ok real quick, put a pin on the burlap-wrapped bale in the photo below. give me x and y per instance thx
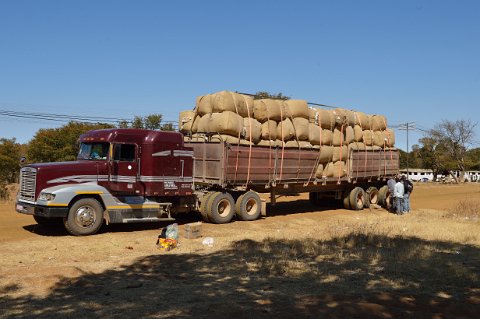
(368, 137)
(378, 122)
(340, 153)
(185, 121)
(349, 135)
(326, 154)
(314, 133)
(340, 117)
(305, 145)
(297, 108)
(233, 102)
(269, 109)
(379, 138)
(350, 117)
(327, 137)
(269, 130)
(321, 117)
(390, 137)
(363, 120)
(291, 144)
(357, 133)
(335, 169)
(319, 171)
(301, 128)
(204, 105)
(217, 138)
(338, 137)
(285, 130)
(195, 138)
(226, 122)
(204, 123)
(252, 130)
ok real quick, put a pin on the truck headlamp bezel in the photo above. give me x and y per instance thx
(46, 196)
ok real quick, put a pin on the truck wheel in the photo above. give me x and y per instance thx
(84, 218)
(372, 196)
(48, 222)
(384, 197)
(248, 206)
(203, 206)
(220, 208)
(357, 198)
(346, 199)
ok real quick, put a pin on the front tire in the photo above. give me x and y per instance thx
(357, 198)
(84, 218)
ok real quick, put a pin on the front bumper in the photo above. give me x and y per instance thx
(38, 210)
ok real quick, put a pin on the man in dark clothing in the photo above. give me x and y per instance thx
(408, 186)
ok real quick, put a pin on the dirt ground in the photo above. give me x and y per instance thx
(301, 261)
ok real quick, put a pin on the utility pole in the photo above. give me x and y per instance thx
(406, 127)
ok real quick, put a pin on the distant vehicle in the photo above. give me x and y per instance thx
(424, 180)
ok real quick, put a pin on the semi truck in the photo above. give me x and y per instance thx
(137, 175)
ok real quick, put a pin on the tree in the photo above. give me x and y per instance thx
(59, 144)
(168, 127)
(455, 138)
(266, 95)
(10, 152)
(152, 121)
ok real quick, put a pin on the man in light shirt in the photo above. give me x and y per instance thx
(398, 196)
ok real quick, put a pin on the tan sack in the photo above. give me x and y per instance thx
(379, 122)
(340, 153)
(252, 130)
(349, 135)
(339, 169)
(217, 138)
(338, 137)
(314, 133)
(268, 109)
(350, 117)
(379, 138)
(285, 130)
(297, 108)
(357, 133)
(204, 105)
(326, 154)
(305, 145)
(233, 102)
(301, 128)
(292, 144)
(185, 121)
(226, 122)
(319, 171)
(270, 143)
(356, 146)
(368, 137)
(269, 130)
(327, 137)
(204, 123)
(390, 137)
(322, 117)
(340, 117)
(363, 120)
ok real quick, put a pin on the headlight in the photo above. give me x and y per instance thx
(46, 196)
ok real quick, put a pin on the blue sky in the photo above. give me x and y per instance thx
(413, 61)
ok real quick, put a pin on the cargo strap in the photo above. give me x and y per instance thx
(341, 147)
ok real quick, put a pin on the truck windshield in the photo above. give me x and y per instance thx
(93, 151)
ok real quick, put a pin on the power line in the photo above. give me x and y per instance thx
(407, 126)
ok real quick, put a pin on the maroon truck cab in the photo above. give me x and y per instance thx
(123, 175)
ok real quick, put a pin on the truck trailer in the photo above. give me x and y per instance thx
(137, 175)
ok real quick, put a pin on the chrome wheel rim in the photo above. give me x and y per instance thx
(85, 216)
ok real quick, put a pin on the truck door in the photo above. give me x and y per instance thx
(124, 169)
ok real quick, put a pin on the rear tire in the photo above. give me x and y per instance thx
(220, 208)
(371, 196)
(357, 198)
(384, 197)
(84, 218)
(203, 206)
(248, 206)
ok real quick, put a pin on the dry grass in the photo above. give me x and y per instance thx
(468, 209)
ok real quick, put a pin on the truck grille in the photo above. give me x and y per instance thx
(28, 180)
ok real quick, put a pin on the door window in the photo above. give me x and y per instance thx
(124, 153)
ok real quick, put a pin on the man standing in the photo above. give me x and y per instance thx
(398, 195)
(391, 188)
(408, 188)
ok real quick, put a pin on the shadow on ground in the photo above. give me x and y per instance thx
(351, 276)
